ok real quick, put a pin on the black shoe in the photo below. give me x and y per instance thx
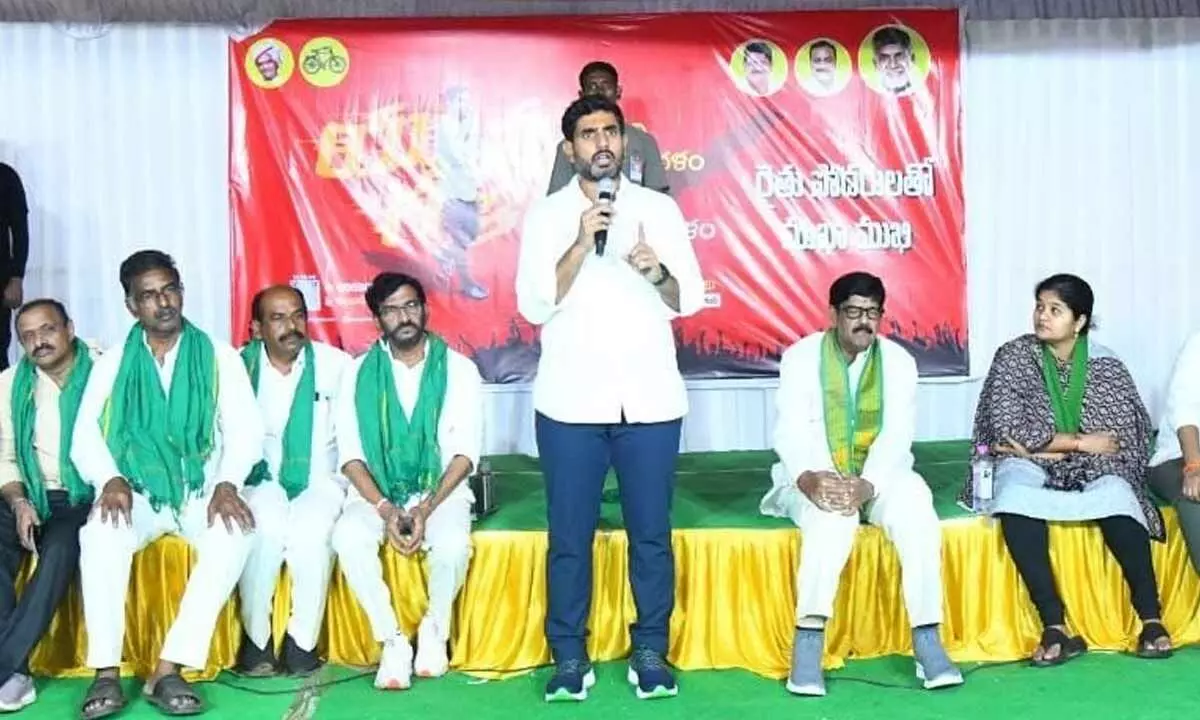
(254, 661)
(571, 681)
(297, 661)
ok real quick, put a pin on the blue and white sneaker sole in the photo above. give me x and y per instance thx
(564, 695)
(946, 679)
(658, 692)
(806, 690)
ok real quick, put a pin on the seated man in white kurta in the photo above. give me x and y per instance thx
(295, 493)
(844, 432)
(409, 434)
(167, 432)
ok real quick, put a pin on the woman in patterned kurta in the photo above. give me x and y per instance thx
(1065, 416)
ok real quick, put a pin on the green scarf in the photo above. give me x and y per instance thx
(24, 411)
(297, 434)
(851, 421)
(161, 443)
(401, 452)
(1067, 404)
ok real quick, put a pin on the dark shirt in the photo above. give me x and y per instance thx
(14, 224)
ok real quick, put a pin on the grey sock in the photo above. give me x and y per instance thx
(928, 651)
(807, 649)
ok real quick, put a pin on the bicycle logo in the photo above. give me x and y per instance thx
(324, 62)
(323, 58)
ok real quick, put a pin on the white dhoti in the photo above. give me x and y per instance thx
(298, 532)
(358, 534)
(904, 510)
(106, 555)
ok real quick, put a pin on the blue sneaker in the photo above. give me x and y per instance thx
(649, 674)
(571, 681)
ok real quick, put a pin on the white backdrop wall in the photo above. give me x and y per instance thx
(1077, 158)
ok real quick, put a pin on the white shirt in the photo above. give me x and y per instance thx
(237, 432)
(46, 429)
(460, 428)
(608, 346)
(1183, 403)
(276, 393)
(800, 439)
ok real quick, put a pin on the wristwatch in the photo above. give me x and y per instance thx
(666, 275)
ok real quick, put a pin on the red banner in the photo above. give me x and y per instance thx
(799, 145)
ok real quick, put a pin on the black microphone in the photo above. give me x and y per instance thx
(608, 192)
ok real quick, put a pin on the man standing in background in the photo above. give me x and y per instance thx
(14, 251)
(643, 160)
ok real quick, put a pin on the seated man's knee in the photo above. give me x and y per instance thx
(824, 531)
(350, 537)
(826, 522)
(450, 552)
(217, 538)
(106, 536)
(913, 494)
(301, 544)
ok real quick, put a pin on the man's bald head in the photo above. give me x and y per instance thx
(280, 318)
(273, 292)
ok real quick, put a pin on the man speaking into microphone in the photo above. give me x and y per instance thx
(604, 277)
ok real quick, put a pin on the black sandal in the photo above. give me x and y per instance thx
(1151, 633)
(1068, 648)
(105, 692)
(168, 691)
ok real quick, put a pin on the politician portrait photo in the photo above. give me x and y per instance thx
(894, 60)
(823, 67)
(759, 67)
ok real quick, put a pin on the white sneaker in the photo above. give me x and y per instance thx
(432, 660)
(395, 667)
(17, 693)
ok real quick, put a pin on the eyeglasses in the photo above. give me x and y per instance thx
(412, 308)
(854, 312)
(147, 297)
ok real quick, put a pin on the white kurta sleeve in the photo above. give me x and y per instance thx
(799, 438)
(346, 418)
(1183, 394)
(239, 418)
(679, 256)
(89, 451)
(460, 430)
(537, 283)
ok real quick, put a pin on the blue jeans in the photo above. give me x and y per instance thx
(575, 459)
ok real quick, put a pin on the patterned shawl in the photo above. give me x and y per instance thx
(1014, 404)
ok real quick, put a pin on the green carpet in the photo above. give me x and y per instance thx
(712, 490)
(1096, 684)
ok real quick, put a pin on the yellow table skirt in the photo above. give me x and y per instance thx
(734, 603)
